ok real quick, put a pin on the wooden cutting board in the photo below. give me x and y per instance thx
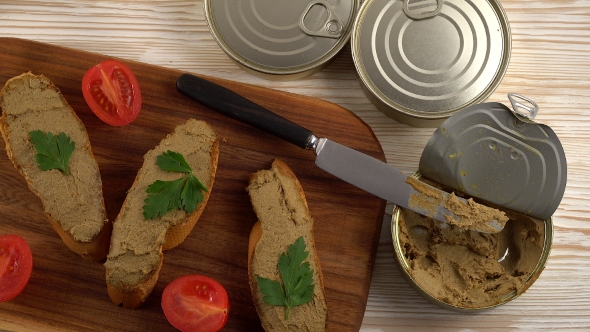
(68, 293)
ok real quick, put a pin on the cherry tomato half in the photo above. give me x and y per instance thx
(112, 92)
(195, 303)
(16, 265)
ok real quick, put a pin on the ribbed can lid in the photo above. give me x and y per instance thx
(428, 68)
(279, 36)
(491, 152)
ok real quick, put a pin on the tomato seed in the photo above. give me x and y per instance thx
(124, 87)
(101, 98)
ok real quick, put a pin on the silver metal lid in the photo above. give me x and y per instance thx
(429, 58)
(497, 154)
(281, 37)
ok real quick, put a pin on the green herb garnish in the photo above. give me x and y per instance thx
(165, 196)
(53, 152)
(297, 279)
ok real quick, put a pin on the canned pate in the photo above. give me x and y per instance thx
(466, 270)
(503, 159)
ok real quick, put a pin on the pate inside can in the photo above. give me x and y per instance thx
(466, 270)
(280, 39)
(420, 70)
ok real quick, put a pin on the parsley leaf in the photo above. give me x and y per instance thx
(53, 152)
(191, 195)
(173, 162)
(165, 196)
(297, 279)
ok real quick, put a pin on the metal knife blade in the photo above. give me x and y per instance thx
(354, 167)
(373, 176)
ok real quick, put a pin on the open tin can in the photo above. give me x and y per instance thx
(421, 61)
(503, 159)
(279, 39)
(520, 250)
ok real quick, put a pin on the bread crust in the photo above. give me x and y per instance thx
(255, 248)
(133, 297)
(136, 296)
(97, 248)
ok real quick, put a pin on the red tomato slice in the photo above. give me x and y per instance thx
(112, 92)
(16, 265)
(195, 303)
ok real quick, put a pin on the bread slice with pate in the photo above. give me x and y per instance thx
(73, 202)
(283, 216)
(135, 257)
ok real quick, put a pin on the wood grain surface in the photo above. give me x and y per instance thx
(348, 221)
(550, 63)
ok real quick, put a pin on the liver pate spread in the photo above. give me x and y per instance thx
(469, 269)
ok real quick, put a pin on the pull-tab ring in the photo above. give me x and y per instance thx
(529, 112)
(331, 28)
(420, 16)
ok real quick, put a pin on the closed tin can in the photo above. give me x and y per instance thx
(421, 61)
(279, 39)
(517, 256)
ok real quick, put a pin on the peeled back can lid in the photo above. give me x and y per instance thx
(281, 39)
(421, 61)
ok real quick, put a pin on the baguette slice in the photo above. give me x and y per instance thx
(135, 257)
(283, 217)
(73, 203)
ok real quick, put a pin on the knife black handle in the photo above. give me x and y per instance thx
(229, 103)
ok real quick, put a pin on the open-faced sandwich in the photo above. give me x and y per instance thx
(284, 271)
(167, 198)
(49, 146)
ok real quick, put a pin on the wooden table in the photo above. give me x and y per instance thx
(550, 64)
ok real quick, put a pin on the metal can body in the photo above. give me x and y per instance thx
(419, 71)
(509, 256)
(279, 39)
